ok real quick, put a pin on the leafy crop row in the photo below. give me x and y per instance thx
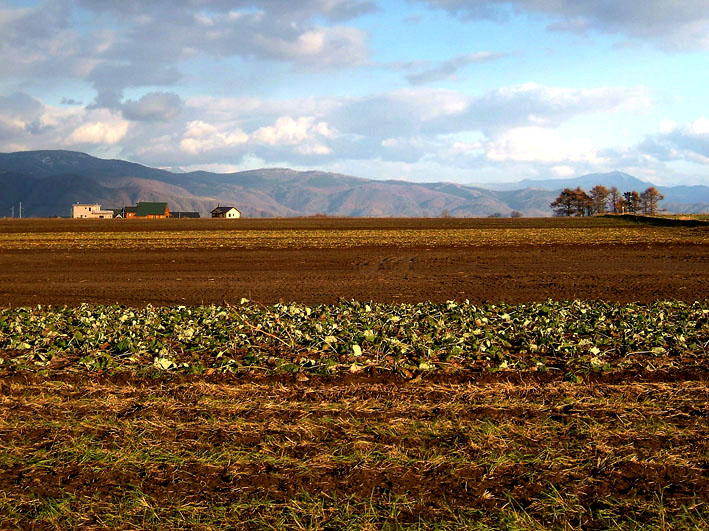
(572, 336)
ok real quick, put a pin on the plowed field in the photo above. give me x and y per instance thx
(169, 262)
(370, 414)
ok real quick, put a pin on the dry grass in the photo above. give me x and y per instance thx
(358, 452)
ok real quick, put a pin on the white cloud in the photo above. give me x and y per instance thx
(201, 136)
(314, 148)
(318, 48)
(407, 149)
(154, 106)
(689, 142)
(548, 104)
(40, 43)
(304, 133)
(511, 131)
(504, 128)
(699, 127)
(156, 37)
(109, 131)
(563, 171)
(28, 122)
(436, 111)
(286, 131)
(466, 147)
(667, 126)
(536, 144)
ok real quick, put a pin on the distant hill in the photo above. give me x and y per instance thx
(677, 198)
(38, 164)
(622, 181)
(48, 182)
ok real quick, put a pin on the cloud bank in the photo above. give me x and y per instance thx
(168, 83)
(671, 24)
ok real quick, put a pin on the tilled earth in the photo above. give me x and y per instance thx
(364, 450)
(507, 449)
(639, 273)
(198, 271)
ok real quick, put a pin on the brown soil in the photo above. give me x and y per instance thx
(191, 276)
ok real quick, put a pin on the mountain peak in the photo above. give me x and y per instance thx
(47, 182)
(622, 181)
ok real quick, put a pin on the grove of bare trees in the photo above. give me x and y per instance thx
(602, 200)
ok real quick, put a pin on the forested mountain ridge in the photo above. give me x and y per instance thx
(48, 182)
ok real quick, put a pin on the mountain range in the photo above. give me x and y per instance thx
(49, 182)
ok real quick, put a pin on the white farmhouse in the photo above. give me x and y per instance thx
(90, 211)
(226, 212)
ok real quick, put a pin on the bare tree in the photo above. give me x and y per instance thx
(579, 203)
(572, 203)
(616, 200)
(582, 202)
(649, 199)
(599, 199)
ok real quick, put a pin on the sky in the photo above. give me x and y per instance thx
(467, 91)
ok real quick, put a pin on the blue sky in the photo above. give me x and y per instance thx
(470, 91)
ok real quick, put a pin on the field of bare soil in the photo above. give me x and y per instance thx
(191, 262)
(416, 374)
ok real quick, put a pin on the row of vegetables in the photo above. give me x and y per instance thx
(574, 336)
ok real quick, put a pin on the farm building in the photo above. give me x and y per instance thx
(226, 212)
(152, 210)
(90, 211)
(143, 210)
(179, 214)
(124, 212)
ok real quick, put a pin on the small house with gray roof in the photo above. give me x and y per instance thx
(226, 212)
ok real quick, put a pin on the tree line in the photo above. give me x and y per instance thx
(602, 200)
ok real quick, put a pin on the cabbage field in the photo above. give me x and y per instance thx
(576, 337)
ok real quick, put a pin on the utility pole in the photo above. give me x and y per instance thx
(12, 209)
(20, 209)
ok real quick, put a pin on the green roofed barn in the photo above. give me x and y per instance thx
(152, 210)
